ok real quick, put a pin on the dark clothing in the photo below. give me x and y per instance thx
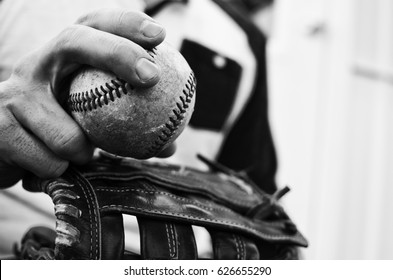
(248, 146)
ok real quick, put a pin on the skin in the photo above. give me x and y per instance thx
(36, 133)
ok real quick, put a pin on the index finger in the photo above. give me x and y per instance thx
(135, 26)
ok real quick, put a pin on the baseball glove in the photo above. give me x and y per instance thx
(89, 202)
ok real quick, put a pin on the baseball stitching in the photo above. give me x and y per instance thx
(100, 96)
(178, 115)
(103, 95)
(96, 98)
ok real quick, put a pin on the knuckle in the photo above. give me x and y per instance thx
(68, 33)
(84, 19)
(118, 50)
(23, 67)
(19, 68)
(130, 19)
(65, 41)
(8, 126)
(11, 139)
(69, 142)
(89, 18)
(133, 21)
(121, 17)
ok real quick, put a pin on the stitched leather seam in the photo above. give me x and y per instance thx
(171, 240)
(168, 239)
(221, 222)
(241, 243)
(237, 246)
(179, 112)
(169, 195)
(244, 248)
(92, 216)
(98, 97)
(236, 198)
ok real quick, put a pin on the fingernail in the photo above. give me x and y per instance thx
(146, 70)
(151, 29)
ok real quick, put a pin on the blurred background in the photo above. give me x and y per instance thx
(331, 100)
(330, 65)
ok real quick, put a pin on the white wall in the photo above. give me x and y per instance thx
(331, 94)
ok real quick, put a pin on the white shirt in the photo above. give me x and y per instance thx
(25, 25)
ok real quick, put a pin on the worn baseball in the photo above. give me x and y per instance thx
(129, 121)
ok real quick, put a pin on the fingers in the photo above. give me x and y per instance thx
(81, 44)
(135, 26)
(20, 149)
(36, 133)
(48, 122)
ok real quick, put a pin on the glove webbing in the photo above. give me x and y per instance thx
(90, 223)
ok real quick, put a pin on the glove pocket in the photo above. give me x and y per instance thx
(217, 186)
(148, 200)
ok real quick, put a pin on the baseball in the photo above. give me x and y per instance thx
(134, 122)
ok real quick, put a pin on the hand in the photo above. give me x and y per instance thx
(36, 134)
